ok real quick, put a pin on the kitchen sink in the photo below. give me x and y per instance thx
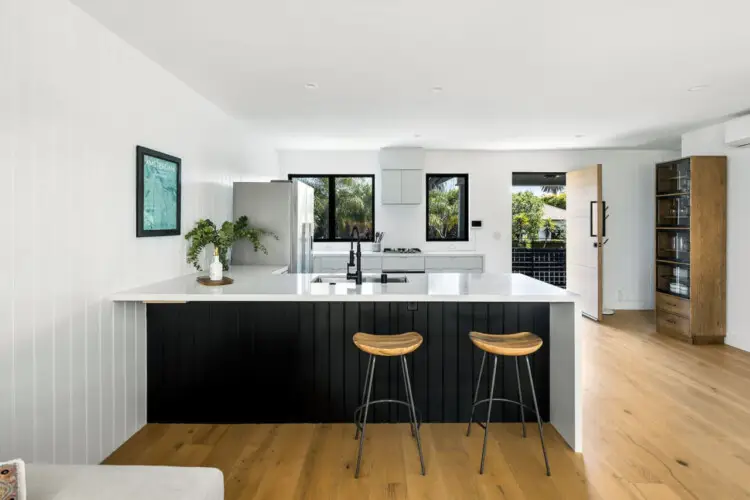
(335, 279)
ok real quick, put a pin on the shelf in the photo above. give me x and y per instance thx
(672, 228)
(669, 195)
(673, 262)
(676, 279)
(667, 292)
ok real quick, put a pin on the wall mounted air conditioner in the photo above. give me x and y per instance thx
(737, 132)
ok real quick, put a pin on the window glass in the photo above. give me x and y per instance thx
(342, 202)
(354, 207)
(447, 207)
(322, 188)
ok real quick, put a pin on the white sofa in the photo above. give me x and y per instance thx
(110, 482)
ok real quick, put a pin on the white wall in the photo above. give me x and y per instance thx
(710, 141)
(628, 190)
(75, 100)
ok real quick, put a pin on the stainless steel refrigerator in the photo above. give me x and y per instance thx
(284, 207)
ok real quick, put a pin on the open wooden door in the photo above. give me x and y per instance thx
(585, 230)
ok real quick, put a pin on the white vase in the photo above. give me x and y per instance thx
(216, 270)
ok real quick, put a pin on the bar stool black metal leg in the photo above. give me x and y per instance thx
(520, 399)
(538, 416)
(364, 419)
(476, 393)
(358, 421)
(412, 410)
(412, 423)
(489, 414)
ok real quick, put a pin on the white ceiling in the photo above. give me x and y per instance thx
(516, 74)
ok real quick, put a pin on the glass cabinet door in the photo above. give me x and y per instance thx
(673, 178)
(673, 245)
(673, 279)
(673, 211)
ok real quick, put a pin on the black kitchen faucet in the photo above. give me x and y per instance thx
(356, 275)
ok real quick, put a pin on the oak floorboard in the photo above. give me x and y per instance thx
(662, 420)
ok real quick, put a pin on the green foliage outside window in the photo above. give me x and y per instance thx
(354, 206)
(556, 200)
(528, 210)
(443, 216)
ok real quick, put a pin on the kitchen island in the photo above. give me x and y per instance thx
(278, 347)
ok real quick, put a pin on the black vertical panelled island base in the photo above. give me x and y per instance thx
(273, 362)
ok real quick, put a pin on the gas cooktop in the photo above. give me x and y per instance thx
(402, 250)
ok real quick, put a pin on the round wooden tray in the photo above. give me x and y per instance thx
(206, 281)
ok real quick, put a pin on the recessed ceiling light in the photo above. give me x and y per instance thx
(437, 89)
(578, 136)
(311, 85)
(697, 88)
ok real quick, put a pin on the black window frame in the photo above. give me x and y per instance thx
(463, 214)
(332, 205)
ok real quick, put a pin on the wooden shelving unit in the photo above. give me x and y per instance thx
(691, 220)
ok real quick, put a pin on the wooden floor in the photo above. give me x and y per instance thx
(663, 420)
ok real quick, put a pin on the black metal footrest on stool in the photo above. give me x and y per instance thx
(500, 400)
(396, 401)
(386, 345)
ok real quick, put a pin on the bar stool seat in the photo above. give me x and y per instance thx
(514, 344)
(388, 345)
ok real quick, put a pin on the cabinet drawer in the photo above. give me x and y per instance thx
(401, 263)
(671, 323)
(674, 305)
(471, 263)
(338, 263)
(330, 264)
(371, 263)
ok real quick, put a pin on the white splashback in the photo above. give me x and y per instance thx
(75, 101)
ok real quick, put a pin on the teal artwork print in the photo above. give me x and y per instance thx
(159, 194)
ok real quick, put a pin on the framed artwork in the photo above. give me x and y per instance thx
(158, 193)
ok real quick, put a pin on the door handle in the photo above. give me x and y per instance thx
(605, 209)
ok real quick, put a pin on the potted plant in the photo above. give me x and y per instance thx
(205, 233)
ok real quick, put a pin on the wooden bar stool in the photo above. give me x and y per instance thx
(386, 345)
(515, 345)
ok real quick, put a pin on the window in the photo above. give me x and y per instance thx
(342, 202)
(447, 207)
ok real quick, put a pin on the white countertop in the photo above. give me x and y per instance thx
(259, 283)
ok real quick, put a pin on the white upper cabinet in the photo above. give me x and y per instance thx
(402, 170)
(401, 187)
(411, 187)
(390, 187)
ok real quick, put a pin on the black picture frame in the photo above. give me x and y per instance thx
(141, 152)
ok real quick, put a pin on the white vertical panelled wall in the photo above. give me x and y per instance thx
(75, 100)
(710, 141)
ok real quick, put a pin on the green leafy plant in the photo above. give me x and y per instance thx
(531, 208)
(549, 227)
(556, 200)
(206, 233)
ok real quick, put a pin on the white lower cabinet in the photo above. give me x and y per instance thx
(337, 264)
(404, 263)
(454, 264)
